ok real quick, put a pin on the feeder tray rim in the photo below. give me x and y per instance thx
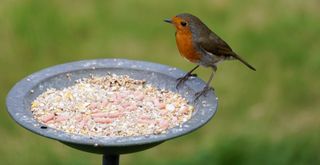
(17, 108)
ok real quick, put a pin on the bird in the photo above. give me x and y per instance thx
(201, 46)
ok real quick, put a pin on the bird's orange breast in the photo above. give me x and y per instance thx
(186, 47)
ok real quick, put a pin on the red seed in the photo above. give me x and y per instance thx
(62, 118)
(145, 121)
(103, 120)
(100, 114)
(174, 119)
(164, 124)
(161, 106)
(114, 115)
(47, 118)
(50, 122)
(132, 107)
(184, 110)
(158, 104)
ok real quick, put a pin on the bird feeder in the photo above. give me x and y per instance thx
(25, 91)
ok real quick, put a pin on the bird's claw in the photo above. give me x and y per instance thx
(193, 75)
(203, 92)
(181, 80)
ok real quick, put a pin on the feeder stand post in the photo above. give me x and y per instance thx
(110, 159)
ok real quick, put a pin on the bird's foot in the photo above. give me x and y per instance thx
(181, 80)
(203, 92)
(193, 75)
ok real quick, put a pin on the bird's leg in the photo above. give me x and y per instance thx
(186, 76)
(207, 87)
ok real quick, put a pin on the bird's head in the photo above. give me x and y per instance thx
(183, 22)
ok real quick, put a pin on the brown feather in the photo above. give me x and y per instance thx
(215, 45)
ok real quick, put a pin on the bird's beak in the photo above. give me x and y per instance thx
(168, 20)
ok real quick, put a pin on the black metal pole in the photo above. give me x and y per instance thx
(110, 159)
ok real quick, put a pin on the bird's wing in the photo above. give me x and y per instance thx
(215, 45)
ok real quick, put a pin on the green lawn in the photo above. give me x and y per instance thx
(270, 116)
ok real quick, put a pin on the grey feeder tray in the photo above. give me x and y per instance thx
(24, 92)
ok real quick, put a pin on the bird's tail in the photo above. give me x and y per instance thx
(243, 61)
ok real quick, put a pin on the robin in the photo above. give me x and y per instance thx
(199, 45)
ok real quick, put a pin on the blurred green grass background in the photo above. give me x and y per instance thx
(266, 117)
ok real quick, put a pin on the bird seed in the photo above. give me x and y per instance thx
(113, 105)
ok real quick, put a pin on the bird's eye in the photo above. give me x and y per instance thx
(183, 23)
